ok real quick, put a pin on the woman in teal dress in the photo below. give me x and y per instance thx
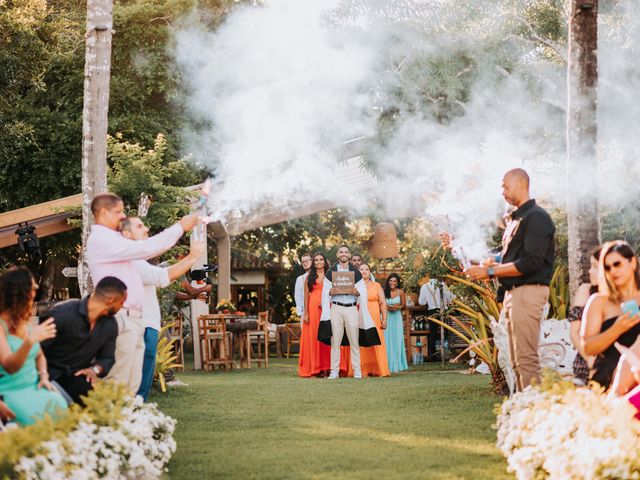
(24, 381)
(394, 333)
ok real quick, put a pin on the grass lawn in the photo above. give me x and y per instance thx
(267, 423)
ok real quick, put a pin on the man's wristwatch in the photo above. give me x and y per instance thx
(491, 272)
(96, 369)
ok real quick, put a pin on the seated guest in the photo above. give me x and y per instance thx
(84, 348)
(582, 361)
(24, 381)
(604, 321)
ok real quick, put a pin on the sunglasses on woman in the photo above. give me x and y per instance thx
(615, 264)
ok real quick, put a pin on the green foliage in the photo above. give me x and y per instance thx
(559, 293)
(104, 405)
(433, 261)
(473, 324)
(165, 358)
(134, 170)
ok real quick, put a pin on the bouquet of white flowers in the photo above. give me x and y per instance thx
(562, 432)
(127, 439)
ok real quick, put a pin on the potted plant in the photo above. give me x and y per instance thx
(225, 306)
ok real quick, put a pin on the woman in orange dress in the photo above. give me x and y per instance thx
(315, 356)
(373, 360)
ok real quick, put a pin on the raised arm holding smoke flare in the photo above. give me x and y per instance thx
(524, 271)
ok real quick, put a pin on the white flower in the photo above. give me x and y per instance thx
(579, 434)
(139, 446)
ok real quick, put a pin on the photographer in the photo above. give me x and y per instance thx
(201, 278)
(134, 229)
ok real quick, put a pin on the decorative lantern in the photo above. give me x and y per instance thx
(385, 241)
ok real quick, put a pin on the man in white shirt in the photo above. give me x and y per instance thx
(152, 277)
(298, 292)
(110, 254)
(433, 298)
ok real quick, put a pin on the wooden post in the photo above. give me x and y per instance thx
(582, 138)
(198, 307)
(224, 265)
(97, 72)
(442, 319)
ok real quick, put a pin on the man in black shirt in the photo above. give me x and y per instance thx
(84, 346)
(524, 274)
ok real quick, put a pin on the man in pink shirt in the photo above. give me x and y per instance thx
(111, 254)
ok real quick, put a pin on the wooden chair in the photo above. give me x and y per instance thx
(260, 337)
(215, 342)
(294, 332)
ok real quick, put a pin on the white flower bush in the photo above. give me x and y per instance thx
(565, 433)
(137, 445)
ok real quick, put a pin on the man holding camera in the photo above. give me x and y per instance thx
(152, 277)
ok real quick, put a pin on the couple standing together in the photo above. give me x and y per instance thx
(336, 317)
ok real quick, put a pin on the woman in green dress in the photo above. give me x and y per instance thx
(24, 381)
(394, 333)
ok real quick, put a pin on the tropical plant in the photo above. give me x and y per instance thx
(473, 326)
(165, 356)
(559, 293)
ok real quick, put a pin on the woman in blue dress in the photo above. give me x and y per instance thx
(394, 333)
(24, 381)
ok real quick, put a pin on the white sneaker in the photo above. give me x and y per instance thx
(332, 376)
(357, 375)
(177, 383)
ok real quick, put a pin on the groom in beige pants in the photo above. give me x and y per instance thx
(345, 317)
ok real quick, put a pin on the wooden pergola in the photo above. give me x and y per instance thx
(49, 218)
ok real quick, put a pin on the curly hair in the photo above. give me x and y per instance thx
(16, 296)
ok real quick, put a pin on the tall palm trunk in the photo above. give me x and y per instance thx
(582, 137)
(97, 73)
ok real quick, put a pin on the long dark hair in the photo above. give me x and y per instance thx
(596, 255)
(313, 272)
(16, 296)
(605, 285)
(387, 288)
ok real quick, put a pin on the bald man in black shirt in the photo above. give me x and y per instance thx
(524, 274)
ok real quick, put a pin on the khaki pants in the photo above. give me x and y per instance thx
(344, 318)
(129, 351)
(523, 307)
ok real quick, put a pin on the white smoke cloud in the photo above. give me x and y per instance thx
(277, 88)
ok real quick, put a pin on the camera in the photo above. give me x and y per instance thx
(202, 274)
(28, 241)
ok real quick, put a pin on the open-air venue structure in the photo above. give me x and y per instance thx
(51, 218)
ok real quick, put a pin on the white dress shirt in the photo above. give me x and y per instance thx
(152, 277)
(298, 294)
(430, 295)
(111, 254)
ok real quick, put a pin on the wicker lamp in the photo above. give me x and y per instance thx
(385, 241)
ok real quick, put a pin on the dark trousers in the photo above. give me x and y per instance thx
(434, 334)
(74, 386)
